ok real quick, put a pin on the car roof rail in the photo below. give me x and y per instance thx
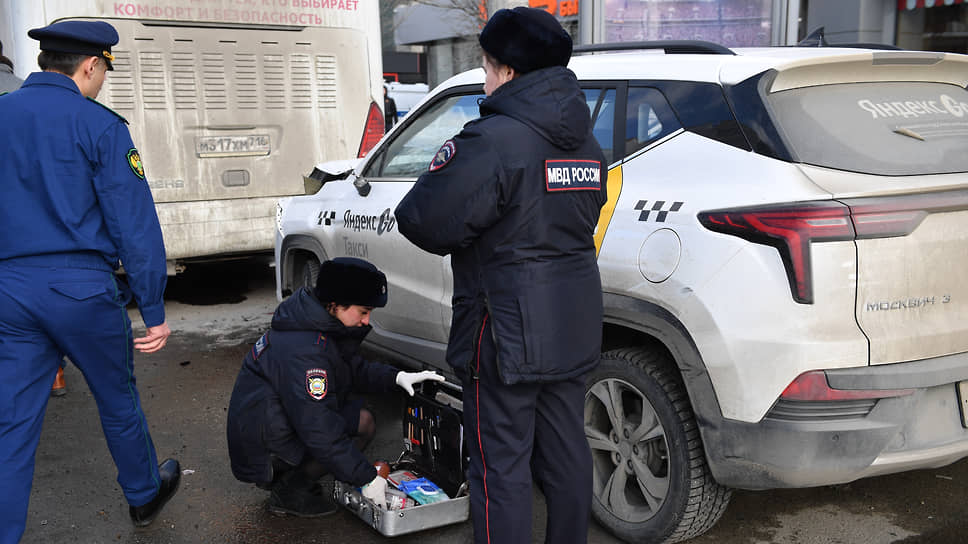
(817, 39)
(669, 46)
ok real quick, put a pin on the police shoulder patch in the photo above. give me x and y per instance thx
(316, 383)
(134, 161)
(443, 155)
(573, 175)
(260, 346)
(118, 115)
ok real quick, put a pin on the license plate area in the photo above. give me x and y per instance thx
(963, 402)
(249, 145)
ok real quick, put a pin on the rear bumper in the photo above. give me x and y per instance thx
(812, 444)
(217, 227)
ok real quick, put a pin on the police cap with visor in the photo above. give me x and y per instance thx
(90, 38)
(526, 39)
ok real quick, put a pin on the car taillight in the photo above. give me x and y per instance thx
(790, 229)
(373, 130)
(886, 216)
(813, 386)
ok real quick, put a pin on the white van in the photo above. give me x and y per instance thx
(406, 96)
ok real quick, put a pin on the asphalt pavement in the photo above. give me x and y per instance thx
(217, 312)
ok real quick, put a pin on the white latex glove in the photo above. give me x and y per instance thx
(407, 379)
(376, 491)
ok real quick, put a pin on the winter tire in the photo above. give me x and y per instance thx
(651, 482)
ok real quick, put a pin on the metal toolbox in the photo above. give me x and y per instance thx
(433, 448)
(406, 520)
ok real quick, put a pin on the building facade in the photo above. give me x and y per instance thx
(448, 28)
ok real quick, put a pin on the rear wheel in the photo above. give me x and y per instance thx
(651, 482)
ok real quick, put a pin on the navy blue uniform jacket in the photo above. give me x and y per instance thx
(514, 199)
(290, 389)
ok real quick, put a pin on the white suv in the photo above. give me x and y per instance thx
(783, 258)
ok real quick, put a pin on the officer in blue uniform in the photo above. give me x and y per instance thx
(75, 206)
(514, 199)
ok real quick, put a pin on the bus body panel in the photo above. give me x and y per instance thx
(229, 102)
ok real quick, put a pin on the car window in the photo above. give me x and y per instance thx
(601, 104)
(885, 128)
(410, 153)
(648, 117)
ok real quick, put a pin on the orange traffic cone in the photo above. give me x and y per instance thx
(60, 386)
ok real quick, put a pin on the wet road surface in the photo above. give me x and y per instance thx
(217, 312)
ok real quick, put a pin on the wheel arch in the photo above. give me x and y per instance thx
(295, 250)
(632, 322)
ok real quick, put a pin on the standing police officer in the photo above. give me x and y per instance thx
(514, 199)
(75, 203)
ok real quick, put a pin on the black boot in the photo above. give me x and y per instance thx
(298, 495)
(170, 472)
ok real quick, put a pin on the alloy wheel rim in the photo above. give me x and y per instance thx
(629, 450)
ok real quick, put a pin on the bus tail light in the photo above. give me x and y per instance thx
(372, 131)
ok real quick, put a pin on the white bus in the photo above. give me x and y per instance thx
(230, 102)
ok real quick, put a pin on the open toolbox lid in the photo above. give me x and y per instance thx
(433, 433)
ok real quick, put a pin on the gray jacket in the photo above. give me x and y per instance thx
(8, 81)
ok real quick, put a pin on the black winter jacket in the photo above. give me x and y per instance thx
(289, 391)
(514, 199)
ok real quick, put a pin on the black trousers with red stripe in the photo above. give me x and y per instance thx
(514, 433)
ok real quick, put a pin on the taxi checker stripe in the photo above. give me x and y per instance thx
(657, 207)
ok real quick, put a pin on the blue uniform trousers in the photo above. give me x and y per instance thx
(51, 306)
(514, 433)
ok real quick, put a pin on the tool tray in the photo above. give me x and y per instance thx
(433, 447)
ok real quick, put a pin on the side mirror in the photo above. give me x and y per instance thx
(362, 186)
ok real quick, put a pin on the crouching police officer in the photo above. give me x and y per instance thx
(75, 201)
(503, 199)
(290, 418)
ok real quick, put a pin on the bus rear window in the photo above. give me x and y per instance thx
(884, 128)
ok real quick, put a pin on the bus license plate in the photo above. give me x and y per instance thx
(963, 402)
(232, 146)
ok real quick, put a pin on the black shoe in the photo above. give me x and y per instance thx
(170, 472)
(297, 497)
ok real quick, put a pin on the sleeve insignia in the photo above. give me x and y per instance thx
(443, 155)
(260, 346)
(134, 161)
(316, 383)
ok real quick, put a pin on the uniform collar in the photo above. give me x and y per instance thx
(5, 68)
(55, 79)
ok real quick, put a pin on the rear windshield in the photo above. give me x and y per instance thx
(885, 128)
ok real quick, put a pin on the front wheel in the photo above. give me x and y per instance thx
(651, 482)
(308, 272)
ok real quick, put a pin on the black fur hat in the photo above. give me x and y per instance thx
(526, 39)
(347, 281)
